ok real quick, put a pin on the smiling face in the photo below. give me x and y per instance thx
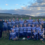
(12, 30)
(21, 19)
(5, 20)
(13, 26)
(9, 20)
(0, 19)
(29, 25)
(37, 25)
(33, 20)
(34, 31)
(42, 23)
(20, 25)
(25, 21)
(29, 18)
(24, 25)
(13, 19)
(40, 26)
(17, 25)
(33, 25)
(17, 19)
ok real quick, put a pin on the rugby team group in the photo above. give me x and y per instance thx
(29, 29)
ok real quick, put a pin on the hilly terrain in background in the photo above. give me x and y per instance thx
(8, 15)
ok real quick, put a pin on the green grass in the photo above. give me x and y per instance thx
(6, 41)
(28, 18)
(29, 42)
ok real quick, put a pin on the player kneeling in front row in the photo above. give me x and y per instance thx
(13, 35)
(35, 35)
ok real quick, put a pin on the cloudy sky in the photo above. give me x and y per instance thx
(28, 7)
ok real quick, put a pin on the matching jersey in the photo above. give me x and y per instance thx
(37, 29)
(5, 24)
(21, 29)
(33, 28)
(34, 23)
(42, 22)
(24, 29)
(9, 23)
(17, 22)
(37, 22)
(21, 22)
(17, 29)
(13, 22)
(35, 33)
(30, 22)
(28, 29)
(14, 29)
(13, 35)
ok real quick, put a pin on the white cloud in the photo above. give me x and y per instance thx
(16, 4)
(6, 4)
(15, 9)
(22, 6)
(38, 8)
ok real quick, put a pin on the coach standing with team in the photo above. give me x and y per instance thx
(1, 27)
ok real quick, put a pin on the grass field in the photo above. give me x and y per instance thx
(29, 42)
(6, 41)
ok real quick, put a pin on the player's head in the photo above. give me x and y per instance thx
(9, 20)
(33, 25)
(17, 19)
(0, 19)
(25, 21)
(13, 19)
(30, 18)
(34, 31)
(20, 25)
(38, 20)
(21, 19)
(5, 20)
(12, 30)
(41, 19)
(29, 25)
(37, 25)
(13, 26)
(42, 23)
(24, 25)
(33, 20)
(40, 26)
(17, 25)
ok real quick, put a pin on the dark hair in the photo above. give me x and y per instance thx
(25, 20)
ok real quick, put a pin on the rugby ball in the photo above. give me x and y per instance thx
(24, 38)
